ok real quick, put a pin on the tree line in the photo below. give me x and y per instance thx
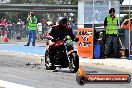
(15, 16)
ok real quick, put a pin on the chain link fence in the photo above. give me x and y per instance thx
(15, 31)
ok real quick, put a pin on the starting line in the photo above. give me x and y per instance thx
(5, 84)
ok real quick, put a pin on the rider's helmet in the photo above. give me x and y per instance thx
(63, 21)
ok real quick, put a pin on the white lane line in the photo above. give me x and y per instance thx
(6, 84)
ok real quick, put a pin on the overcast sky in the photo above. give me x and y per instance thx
(126, 2)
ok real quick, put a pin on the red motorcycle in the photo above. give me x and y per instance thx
(62, 50)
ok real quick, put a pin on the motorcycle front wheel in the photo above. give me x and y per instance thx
(74, 63)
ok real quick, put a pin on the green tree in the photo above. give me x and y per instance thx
(45, 1)
(20, 1)
(2, 15)
(14, 16)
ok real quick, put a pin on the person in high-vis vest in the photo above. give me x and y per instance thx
(32, 27)
(111, 27)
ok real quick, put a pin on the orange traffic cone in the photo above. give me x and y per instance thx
(5, 37)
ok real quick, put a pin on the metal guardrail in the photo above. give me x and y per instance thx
(42, 6)
(123, 7)
(51, 11)
(14, 31)
(125, 12)
(50, 8)
(37, 10)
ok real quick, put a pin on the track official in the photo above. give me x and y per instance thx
(111, 27)
(32, 27)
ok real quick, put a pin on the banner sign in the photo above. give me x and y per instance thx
(85, 44)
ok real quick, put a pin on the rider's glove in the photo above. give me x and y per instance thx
(76, 39)
(53, 40)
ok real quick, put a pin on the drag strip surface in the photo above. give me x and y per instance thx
(13, 69)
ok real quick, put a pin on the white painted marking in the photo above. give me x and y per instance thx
(6, 84)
